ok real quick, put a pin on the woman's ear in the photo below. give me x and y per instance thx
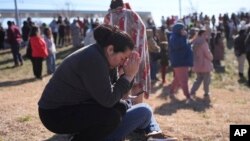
(110, 50)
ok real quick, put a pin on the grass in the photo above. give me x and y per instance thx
(24, 119)
(206, 119)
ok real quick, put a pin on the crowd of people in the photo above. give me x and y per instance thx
(58, 33)
(97, 92)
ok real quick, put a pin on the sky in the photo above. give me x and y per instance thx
(158, 8)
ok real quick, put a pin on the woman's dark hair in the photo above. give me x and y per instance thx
(9, 23)
(34, 31)
(46, 32)
(116, 3)
(111, 35)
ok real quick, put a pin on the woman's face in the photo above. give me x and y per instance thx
(117, 59)
(183, 32)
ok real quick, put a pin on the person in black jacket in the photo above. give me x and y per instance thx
(83, 97)
(25, 32)
(240, 51)
(247, 45)
(88, 98)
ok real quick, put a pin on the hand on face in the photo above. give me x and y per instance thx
(183, 32)
(131, 66)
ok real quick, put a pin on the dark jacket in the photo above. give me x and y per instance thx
(13, 35)
(247, 43)
(84, 77)
(25, 32)
(2, 35)
(180, 53)
(239, 44)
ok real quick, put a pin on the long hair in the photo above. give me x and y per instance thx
(111, 35)
(34, 31)
(47, 32)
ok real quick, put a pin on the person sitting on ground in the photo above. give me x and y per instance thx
(84, 96)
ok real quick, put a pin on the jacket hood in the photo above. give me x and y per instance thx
(178, 27)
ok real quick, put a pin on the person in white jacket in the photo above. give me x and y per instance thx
(51, 59)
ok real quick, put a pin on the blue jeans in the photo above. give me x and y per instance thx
(51, 63)
(15, 49)
(153, 65)
(139, 116)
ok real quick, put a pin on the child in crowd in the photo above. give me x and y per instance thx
(164, 60)
(202, 62)
(219, 51)
(51, 59)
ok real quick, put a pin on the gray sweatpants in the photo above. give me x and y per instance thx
(206, 78)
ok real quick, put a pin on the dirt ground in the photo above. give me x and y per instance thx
(205, 119)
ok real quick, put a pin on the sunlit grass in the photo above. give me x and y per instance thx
(24, 119)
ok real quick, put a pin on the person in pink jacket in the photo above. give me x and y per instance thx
(202, 63)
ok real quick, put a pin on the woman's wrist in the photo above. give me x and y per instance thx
(129, 78)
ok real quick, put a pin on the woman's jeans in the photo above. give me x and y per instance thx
(15, 49)
(154, 65)
(139, 116)
(51, 63)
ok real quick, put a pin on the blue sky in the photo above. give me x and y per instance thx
(157, 7)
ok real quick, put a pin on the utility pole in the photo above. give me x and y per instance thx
(68, 4)
(17, 14)
(180, 8)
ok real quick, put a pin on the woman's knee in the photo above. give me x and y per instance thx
(144, 109)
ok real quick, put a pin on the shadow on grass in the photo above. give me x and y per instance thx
(198, 104)
(58, 137)
(131, 137)
(16, 82)
(136, 136)
(10, 62)
(5, 51)
(6, 61)
(7, 67)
